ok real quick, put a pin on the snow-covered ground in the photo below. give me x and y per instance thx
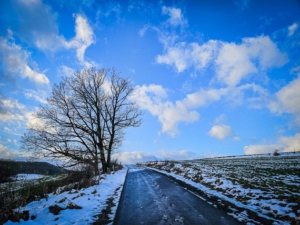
(24, 176)
(76, 206)
(268, 186)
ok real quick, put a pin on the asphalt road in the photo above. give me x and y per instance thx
(150, 198)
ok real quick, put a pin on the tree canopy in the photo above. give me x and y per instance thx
(84, 119)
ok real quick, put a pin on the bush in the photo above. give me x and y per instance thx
(276, 152)
(8, 169)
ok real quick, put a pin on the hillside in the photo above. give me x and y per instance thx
(10, 168)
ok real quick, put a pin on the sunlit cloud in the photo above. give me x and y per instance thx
(16, 61)
(220, 131)
(287, 99)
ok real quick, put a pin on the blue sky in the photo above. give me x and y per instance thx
(213, 77)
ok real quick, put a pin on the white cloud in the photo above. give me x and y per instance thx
(230, 70)
(290, 144)
(139, 156)
(253, 55)
(203, 97)
(8, 153)
(39, 96)
(177, 155)
(143, 30)
(154, 98)
(35, 24)
(287, 99)
(10, 110)
(175, 56)
(232, 62)
(15, 61)
(66, 71)
(134, 157)
(182, 55)
(14, 116)
(284, 144)
(292, 29)
(169, 114)
(260, 149)
(175, 14)
(236, 138)
(220, 131)
(4, 152)
(221, 119)
(83, 39)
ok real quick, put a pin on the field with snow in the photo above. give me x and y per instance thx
(83, 206)
(258, 189)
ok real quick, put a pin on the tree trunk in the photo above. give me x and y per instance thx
(108, 158)
(96, 166)
(103, 162)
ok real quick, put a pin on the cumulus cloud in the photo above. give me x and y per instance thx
(152, 98)
(252, 56)
(183, 55)
(176, 17)
(287, 99)
(220, 131)
(16, 60)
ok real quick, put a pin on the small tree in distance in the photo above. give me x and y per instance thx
(84, 119)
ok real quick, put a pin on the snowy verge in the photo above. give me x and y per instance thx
(76, 206)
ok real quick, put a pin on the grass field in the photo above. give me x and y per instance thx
(267, 185)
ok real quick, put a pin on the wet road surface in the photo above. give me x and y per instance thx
(150, 198)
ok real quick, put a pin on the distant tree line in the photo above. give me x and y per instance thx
(10, 168)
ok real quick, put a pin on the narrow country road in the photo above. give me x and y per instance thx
(150, 198)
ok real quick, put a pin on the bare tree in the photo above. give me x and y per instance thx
(84, 119)
(119, 112)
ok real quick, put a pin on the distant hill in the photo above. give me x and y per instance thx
(10, 168)
(39, 168)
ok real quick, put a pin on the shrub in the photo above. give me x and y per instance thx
(8, 169)
(276, 152)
